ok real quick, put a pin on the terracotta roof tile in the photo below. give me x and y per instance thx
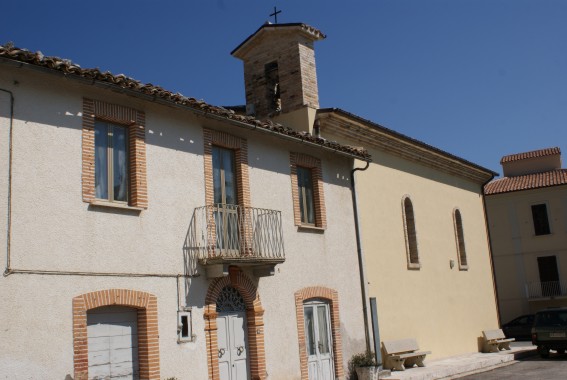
(532, 154)
(527, 182)
(69, 68)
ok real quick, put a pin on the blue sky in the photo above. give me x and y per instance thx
(477, 78)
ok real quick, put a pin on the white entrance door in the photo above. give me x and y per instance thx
(113, 343)
(232, 343)
(318, 341)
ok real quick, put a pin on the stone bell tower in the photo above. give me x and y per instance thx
(280, 75)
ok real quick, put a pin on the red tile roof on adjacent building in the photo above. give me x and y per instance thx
(532, 154)
(152, 92)
(527, 182)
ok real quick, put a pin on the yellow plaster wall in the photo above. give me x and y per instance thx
(444, 309)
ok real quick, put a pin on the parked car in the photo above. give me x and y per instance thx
(519, 328)
(549, 331)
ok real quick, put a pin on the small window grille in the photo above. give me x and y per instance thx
(230, 299)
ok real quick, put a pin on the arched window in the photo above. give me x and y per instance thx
(410, 233)
(460, 240)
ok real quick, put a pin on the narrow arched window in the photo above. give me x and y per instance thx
(410, 233)
(460, 240)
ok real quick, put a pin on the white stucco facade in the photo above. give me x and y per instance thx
(52, 229)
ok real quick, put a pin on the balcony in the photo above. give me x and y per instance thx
(224, 235)
(551, 289)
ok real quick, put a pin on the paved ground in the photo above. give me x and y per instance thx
(533, 368)
(471, 363)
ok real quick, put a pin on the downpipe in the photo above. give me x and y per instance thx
(359, 254)
(8, 269)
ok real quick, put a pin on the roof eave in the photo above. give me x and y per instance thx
(237, 120)
(477, 172)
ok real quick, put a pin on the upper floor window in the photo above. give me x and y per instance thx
(540, 219)
(111, 162)
(410, 234)
(307, 191)
(114, 155)
(460, 239)
(305, 188)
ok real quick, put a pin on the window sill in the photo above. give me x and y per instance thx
(101, 203)
(414, 266)
(310, 228)
(187, 340)
(463, 267)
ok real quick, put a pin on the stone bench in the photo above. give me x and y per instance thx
(402, 353)
(495, 340)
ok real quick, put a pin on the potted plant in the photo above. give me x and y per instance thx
(363, 366)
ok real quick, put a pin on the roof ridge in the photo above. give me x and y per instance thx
(531, 154)
(67, 67)
(537, 180)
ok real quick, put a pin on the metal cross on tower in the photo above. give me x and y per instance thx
(275, 14)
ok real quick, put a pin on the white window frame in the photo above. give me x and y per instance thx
(190, 336)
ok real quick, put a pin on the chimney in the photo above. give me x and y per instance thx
(280, 76)
(536, 161)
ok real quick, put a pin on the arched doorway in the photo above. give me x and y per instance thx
(231, 335)
(239, 293)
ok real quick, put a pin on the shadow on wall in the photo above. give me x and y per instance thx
(195, 289)
(350, 348)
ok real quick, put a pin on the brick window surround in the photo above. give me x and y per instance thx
(331, 296)
(240, 147)
(134, 120)
(460, 240)
(254, 322)
(148, 336)
(313, 163)
(410, 233)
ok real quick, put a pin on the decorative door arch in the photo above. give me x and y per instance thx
(254, 321)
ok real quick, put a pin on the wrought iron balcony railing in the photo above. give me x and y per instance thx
(546, 289)
(225, 233)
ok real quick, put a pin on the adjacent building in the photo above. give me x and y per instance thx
(527, 214)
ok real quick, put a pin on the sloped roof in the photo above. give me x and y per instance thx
(150, 92)
(532, 154)
(527, 182)
(406, 146)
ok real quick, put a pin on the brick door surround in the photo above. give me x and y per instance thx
(254, 322)
(148, 335)
(332, 297)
